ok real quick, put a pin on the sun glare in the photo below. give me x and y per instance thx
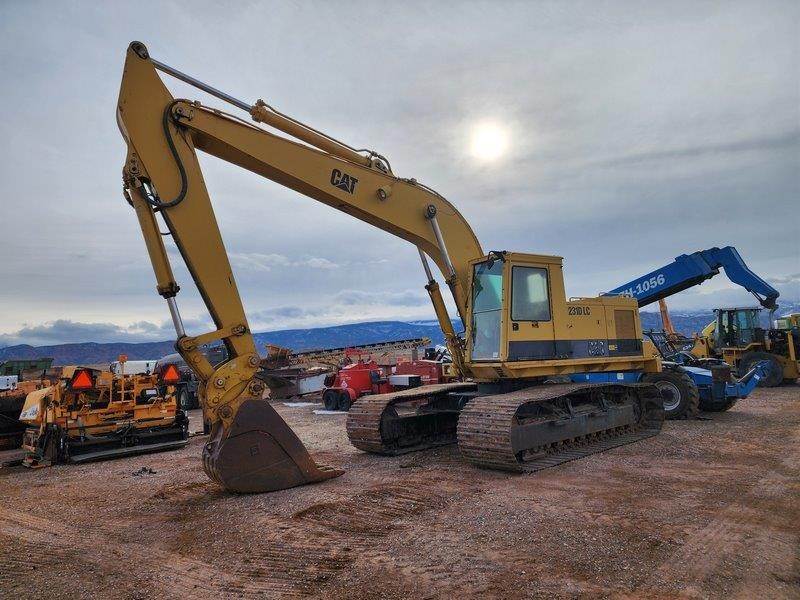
(489, 141)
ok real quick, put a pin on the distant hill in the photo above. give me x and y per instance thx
(350, 335)
(89, 352)
(296, 339)
(318, 337)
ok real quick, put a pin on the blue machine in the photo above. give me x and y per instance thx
(688, 270)
(687, 383)
(717, 389)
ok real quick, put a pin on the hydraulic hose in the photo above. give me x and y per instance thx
(152, 197)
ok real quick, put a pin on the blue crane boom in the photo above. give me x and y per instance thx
(688, 270)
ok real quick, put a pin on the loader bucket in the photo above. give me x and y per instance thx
(260, 453)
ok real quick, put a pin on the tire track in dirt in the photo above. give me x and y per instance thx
(175, 574)
(354, 528)
(486, 568)
(761, 521)
(374, 512)
(316, 544)
(17, 555)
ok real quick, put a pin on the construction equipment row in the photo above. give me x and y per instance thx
(90, 414)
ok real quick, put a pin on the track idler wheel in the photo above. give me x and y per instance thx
(260, 453)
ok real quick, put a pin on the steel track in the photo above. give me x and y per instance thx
(486, 426)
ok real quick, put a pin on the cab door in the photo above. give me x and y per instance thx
(486, 326)
(530, 333)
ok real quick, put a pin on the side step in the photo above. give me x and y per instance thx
(126, 451)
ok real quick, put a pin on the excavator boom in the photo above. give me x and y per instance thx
(251, 448)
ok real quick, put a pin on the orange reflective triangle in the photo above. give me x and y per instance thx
(82, 380)
(171, 374)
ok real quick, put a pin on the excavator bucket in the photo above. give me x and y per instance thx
(260, 453)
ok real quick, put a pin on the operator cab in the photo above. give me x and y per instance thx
(526, 281)
(738, 327)
(519, 313)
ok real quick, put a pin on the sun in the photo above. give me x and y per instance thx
(488, 141)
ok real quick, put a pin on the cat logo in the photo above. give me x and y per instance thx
(343, 181)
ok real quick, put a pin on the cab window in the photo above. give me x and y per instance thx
(530, 300)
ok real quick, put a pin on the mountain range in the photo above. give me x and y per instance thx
(312, 338)
(296, 339)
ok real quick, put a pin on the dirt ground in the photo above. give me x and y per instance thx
(709, 508)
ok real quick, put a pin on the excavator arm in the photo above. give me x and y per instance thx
(251, 448)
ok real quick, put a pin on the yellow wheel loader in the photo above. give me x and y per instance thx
(736, 336)
(520, 330)
(91, 415)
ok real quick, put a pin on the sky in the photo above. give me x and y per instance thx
(615, 134)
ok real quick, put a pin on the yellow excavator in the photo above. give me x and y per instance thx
(521, 337)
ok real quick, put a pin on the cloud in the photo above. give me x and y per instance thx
(65, 331)
(782, 141)
(255, 261)
(785, 280)
(283, 313)
(348, 306)
(317, 263)
(648, 126)
(373, 298)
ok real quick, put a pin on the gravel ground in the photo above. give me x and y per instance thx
(709, 508)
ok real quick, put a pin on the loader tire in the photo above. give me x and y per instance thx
(344, 401)
(330, 399)
(184, 401)
(775, 377)
(680, 394)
